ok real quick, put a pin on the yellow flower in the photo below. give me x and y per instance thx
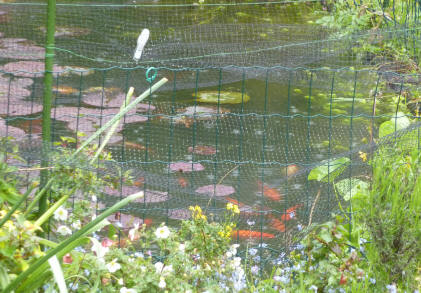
(363, 156)
(229, 206)
(235, 209)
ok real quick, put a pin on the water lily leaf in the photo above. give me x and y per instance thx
(216, 190)
(350, 187)
(223, 97)
(329, 170)
(186, 167)
(395, 124)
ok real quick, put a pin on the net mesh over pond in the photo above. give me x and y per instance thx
(258, 95)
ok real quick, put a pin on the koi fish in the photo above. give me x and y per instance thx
(244, 234)
(234, 201)
(290, 213)
(182, 182)
(268, 192)
(133, 145)
(202, 150)
(139, 182)
(277, 224)
(292, 169)
(147, 222)
(65, 90)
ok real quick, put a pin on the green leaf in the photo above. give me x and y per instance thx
(395, 124)
(329, 170)
(325, 235)
(28, 274)
(350, 187)
(4, 278)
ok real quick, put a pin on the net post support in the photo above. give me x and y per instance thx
(46, 111)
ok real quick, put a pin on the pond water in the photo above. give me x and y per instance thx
(293, 120)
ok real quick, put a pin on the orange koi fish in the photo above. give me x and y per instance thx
(245, 234)
(234, 201)
(134, 145)
(277, 224)
(290, 213)
(182, 182)
(292, 169)
(147, 221)
(139, 182)
(270, 193)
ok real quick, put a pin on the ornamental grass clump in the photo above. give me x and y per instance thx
(391, 214)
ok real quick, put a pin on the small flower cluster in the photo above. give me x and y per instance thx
(197, 213)
(233, 207)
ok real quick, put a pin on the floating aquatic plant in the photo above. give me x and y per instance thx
(223, 97)
(216, 190)
(186, 167)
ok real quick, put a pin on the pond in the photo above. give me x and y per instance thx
(247, 133)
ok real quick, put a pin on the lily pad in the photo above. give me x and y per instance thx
(179, 214)
(202, 110)
(223, 97)
(216, 190)
(186, 167)
(111, 98)
(202, 150)
(28, 68)
(151, 196)
(21, 49)
(329, 170)
(62, 31)
(7, 130)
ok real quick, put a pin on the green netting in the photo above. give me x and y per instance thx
(258, 95)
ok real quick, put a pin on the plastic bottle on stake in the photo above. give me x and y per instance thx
(141, 42)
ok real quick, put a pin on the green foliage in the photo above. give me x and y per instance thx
(348, 17)
(328, 258)
(329, 170)
(393, 125)
(392, 216)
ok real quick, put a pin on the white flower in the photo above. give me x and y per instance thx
(237, 261)
(250, 223)
(162, 283)
(392, 288)
(120, 281)
(94, 198)
(125, 290)
(181, 247)
(158, 267)
(162, 269)
(254, 270)
(132, 232)
(98, 249)
(314, 288)
(60, 214)
(113, 266)
(162, 232)
(252, 251)
(233, 248)
(76, 225)
(64, 230)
